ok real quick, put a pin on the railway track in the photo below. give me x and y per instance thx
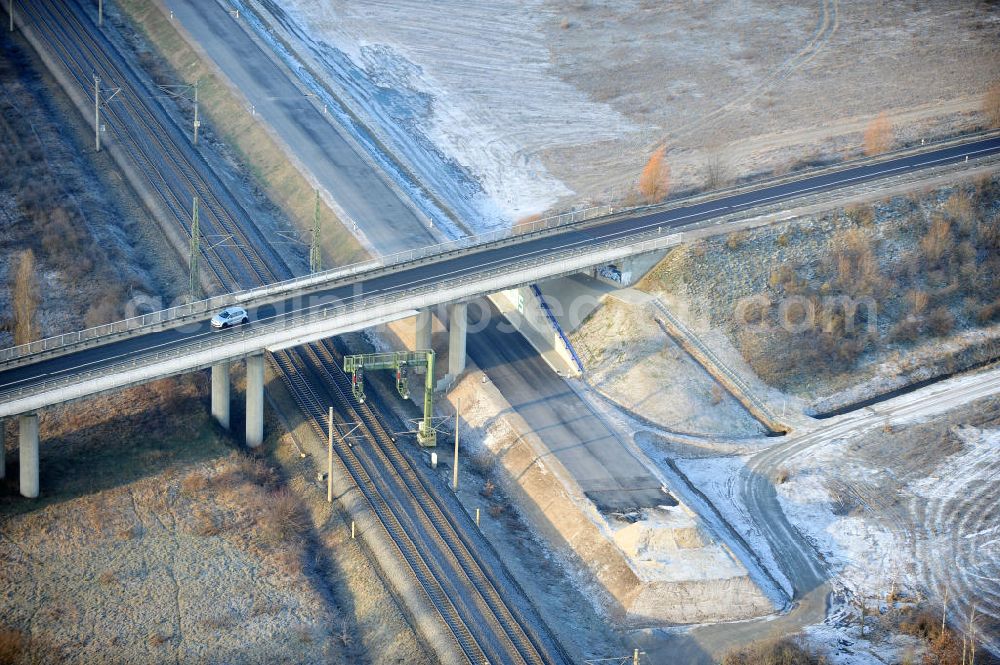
(459, 575)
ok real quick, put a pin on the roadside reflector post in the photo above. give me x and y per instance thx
(352, 529)
(477, 516)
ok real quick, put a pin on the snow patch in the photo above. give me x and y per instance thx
(472, 118)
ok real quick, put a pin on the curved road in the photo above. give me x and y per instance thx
(799, 560)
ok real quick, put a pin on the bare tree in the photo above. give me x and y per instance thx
(26, 296)
(654, 183)
(716, 171)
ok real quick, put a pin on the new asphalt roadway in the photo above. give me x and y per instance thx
(543, 399)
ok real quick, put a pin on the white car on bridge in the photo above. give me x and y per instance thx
(230, 316)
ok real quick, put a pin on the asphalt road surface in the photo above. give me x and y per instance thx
(605, 469)
(407, 277)
(388, 223)
(580, 440)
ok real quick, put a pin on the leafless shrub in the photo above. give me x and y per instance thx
(345, 633)
(206, 522)
(938, 242)
(654, 182)
(94, 514)
(775, 651)
(193, 484)
(157, 638)
(105, 578)
(878, 135)
(991, 105)
(781, 476)
(489, 487)
(717, 393)
(861, 214)
(989, 312)
(960, 210)
(906, 330)
(496, 510)
(283, 518)
(940, 321)
(126, 533)
(482, 462)
(105, 308)
(918, 301)
(25, 299)
(717, 171)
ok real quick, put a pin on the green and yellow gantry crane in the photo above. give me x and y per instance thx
(400, 362)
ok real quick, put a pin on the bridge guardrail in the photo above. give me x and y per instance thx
(647, 240)
(158, 320)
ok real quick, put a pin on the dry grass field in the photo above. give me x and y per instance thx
(548, 103)
(157, 540)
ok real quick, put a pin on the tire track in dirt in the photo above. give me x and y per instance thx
(827, 25)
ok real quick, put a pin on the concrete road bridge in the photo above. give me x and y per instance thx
(407, 284)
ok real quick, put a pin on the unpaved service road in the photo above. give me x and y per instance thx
(312, 138)
(801, 562)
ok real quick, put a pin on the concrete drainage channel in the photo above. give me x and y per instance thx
(711, 363)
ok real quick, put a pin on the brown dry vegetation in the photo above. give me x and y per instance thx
(654, 182)
(777, 651)
(872, 290)
(12, 646)
(878, 135)
(25, 299)
(942, 645)
(53, 200)
(991, 105)
(163, 491)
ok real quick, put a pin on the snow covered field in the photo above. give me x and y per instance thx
(508, 108)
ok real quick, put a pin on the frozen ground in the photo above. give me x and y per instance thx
(900, 506)
(926, 524)
(635, 364)
(505, 109)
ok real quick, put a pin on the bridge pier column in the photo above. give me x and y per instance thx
(424, 319)
(220, 393)
(28, 436)
(255, 400)
(458, 324)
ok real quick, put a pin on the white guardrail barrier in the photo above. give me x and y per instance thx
(645, 240)
(198, 309)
